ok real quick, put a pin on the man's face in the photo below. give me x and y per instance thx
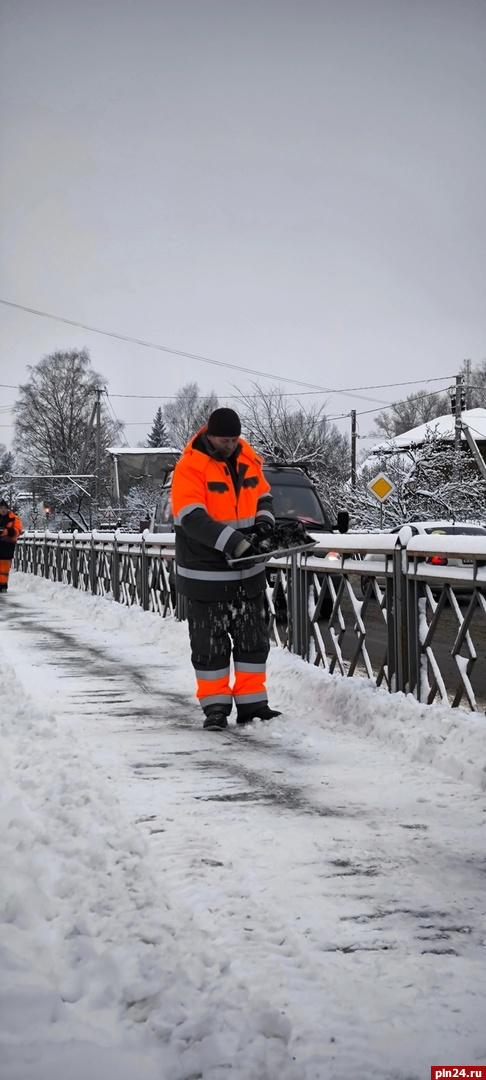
(3, 511)
(225, 444)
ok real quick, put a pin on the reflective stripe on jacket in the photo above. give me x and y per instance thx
(210, 516)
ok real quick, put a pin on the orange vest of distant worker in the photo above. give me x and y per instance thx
(208, 508)
(10, 529)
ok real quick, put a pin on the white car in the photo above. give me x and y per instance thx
(429, 528)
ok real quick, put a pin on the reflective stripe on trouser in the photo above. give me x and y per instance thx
(4, 570)
(218, 627)
(213, 688)
(249, 686)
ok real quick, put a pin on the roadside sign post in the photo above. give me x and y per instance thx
(381, 487)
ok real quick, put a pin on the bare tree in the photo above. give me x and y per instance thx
(302, 436)
(187, 414)
(6, 459)
(417, 408)
(476, 390)
(139, 502)
(51, 426)
(431, 481)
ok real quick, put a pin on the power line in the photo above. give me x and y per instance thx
(297, 393)
(329, 419)
(434, 393)
(290, 393)
(118, 422)
(195, 356)
(167, 349)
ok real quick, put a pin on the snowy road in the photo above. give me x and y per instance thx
(322, 877)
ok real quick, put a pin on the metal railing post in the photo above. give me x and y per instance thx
(115, 570)
(391, 635)
(144, 585)
(400, 619)
(412, 638)
(92, 566)
(58, 558)
(74, 561)
(304, 607)
(295, 607)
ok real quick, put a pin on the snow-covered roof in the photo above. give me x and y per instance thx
(441, 426)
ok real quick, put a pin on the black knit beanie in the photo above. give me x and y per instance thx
(4, 503)
(225, 423)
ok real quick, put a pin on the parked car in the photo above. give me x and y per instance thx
(429, 528)
(294, 498)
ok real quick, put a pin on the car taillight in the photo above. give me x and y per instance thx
(436, 560)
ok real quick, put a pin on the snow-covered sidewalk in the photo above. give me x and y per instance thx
(302, 901)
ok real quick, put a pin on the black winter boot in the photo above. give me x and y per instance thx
(215, 720)
(260, 712)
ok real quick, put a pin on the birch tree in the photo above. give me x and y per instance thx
(184, 416)
(51, 424)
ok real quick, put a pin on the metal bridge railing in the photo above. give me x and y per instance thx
(132, 568)
(393, 617)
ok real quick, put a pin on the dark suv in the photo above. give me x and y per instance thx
(294, 498)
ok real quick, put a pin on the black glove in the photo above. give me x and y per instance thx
(263, 528)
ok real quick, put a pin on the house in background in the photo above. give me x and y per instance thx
(473, 435)
(128, 465)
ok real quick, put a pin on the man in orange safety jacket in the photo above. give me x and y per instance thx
(10, 529)
(219, 496)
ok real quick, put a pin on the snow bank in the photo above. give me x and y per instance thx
(453, 741)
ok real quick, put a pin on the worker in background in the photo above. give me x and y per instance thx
(10, 529)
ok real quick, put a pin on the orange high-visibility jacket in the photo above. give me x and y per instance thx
(211, 516)
(10, 529)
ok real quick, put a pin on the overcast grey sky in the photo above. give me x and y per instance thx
(295, 187)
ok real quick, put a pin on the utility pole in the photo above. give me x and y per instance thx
(354, 437)
(457, 413)
(98, 444)
(467, 365)
(84, 454)
(95, 416)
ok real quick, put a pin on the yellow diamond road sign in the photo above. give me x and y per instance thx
(381, 487)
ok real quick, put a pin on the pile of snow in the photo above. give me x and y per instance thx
(452, 741)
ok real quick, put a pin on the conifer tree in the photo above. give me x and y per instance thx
(158, 435)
